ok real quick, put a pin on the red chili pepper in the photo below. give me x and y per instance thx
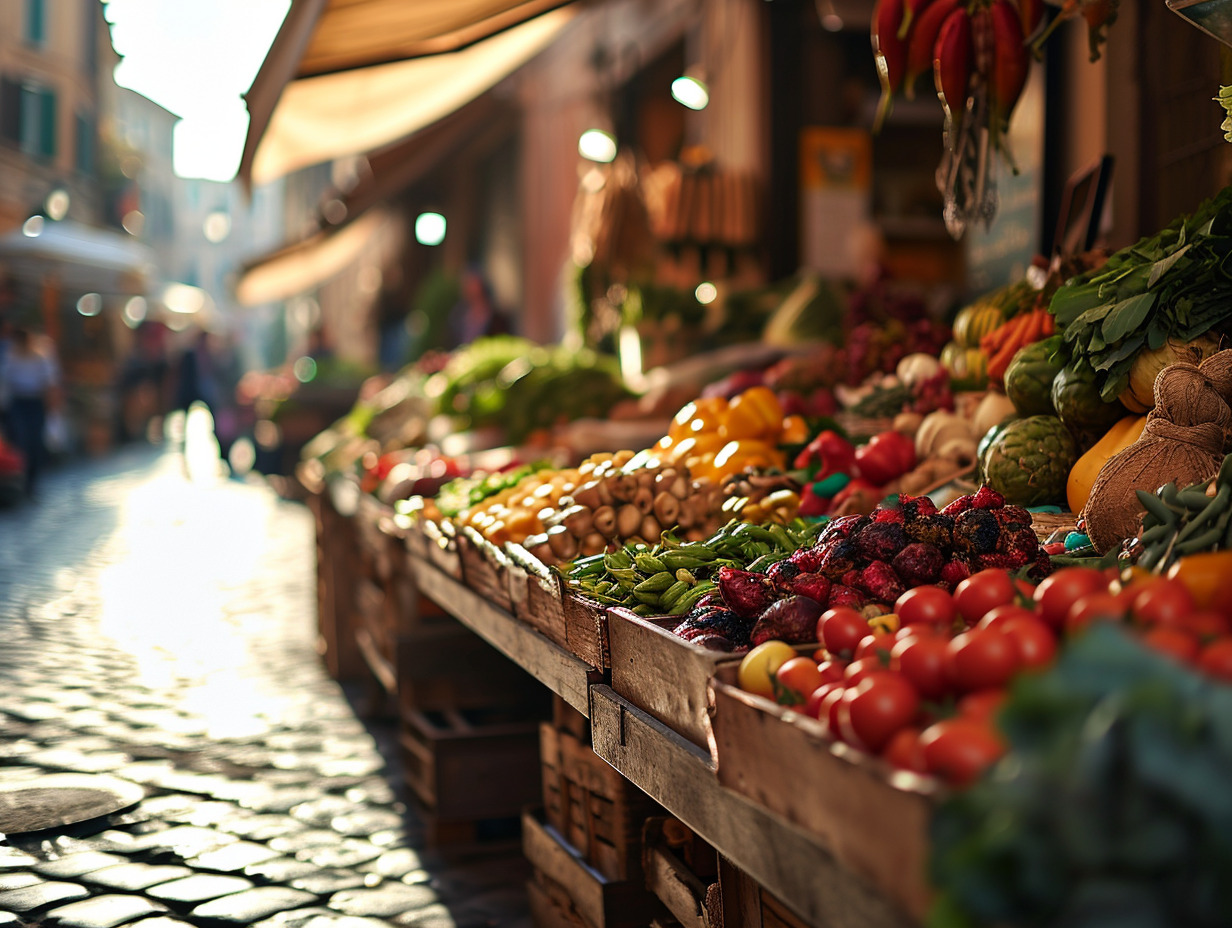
(889, 53)
(923, 41)
(952, 61)
(911, 10)
(1030, 14)
(1010, 61)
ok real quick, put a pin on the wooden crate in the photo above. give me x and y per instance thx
(597, 810)
(873, 819)
(485, 569)
(745, 904)
(444, 665)
(662, 673)
(568, 891)
(440, 544)
(337, 569)
(682, 872)
(468, 765)
(540, 599)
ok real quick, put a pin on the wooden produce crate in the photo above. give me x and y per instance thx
(485, 569)
(444, 665)
(337, 570)
(540, 599)
(440, 546)
(745, 904)
(466, 765)
(682, 871)
(872, 818)
(594, 808)
(662, 673)
(567, 891)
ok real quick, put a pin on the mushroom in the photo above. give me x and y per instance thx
(578, 520)
(605, 521)
(643, 499)
(628, 519)
(623, 487)
(650, 530)
(593, 543)
(588, 495)
(666, 508)
(563, 544)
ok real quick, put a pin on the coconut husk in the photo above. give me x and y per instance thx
(1183, 442)
(1218, 370)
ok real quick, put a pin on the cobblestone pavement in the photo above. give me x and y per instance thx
(161, 630)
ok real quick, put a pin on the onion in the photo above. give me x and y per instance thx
(1139, 396)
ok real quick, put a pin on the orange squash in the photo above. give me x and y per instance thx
(1082, 476)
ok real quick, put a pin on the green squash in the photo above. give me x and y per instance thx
(1030, 460)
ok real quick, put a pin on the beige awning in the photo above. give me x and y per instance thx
(345, 77)
(294, 269)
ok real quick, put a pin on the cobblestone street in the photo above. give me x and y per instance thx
(161, 630)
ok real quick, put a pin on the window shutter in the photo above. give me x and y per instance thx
(36, 22)
(47, 124)
(10, 110)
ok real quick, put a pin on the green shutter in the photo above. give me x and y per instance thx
(36, 22)
(47, 125)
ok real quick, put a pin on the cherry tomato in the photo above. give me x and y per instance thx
(840, 630)
(926, 605)
(1216, 659)
(903, 750)
(821, 655)
(982, 705)
(875, 645)
(1209, 578)
(1165, 602)
(857, 670)
(795, 679)
(1060, 590)
(831, 671)
(981, 592)
(1026, 589)
(812, 705)
(960, 749)
(980, 658)
(921, 659)
(875, 708)
(913, 631)
(1037, 645)
(1102, 607)
(999, 615)
(1173, 641)
(757, 668)
(827, 712)
(1207, 624)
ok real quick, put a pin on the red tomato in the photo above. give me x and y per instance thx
(915, 631)
(982, 705)
(960, 749)
(827, 712)
(981, 592)
(859, 669)
(875, 708)
(1060, 590)
(840, 630)
(1103, 607)
(821, 655)
(903, 750)
(980, 658)
(796, 679)
(1173, 641)
(1026, 589)
(1037, 645)
(1207, 624)
(921, 659)
(812, 705)
(926, 605)
(831, 671)
(1165, 602)
(1216, 659)
(875, 645)
(999, 615)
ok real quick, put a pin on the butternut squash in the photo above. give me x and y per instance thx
(1082, 476)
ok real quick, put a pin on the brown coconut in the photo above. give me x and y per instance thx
(1183, 442)
(1218, 370)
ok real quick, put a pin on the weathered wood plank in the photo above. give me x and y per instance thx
(561, 672)
(789, 863)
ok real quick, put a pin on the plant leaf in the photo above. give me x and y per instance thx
(1127, 316)
(1160, 268)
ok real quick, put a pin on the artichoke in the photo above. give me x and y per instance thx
(1075, 396)
(1029, 462)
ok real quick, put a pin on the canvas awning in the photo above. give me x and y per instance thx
(293, 269)
(345, 77)
(83, 257)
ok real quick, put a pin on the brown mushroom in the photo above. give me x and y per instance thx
(605, 521)
(643, 499)
(563, 544)
(578, 520)
(628, 519)
(666, 508)
(594, 543)
(650, 530)
(588, 495)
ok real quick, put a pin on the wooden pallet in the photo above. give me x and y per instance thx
(337, 611)
(467, 765)
(597, 810)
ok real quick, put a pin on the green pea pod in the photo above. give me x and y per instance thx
(656, 584)
(691, 598)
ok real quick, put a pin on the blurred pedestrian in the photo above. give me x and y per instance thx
(31, 377)
(196, 380)
(476, 313)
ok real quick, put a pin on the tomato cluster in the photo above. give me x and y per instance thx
(920, 687)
